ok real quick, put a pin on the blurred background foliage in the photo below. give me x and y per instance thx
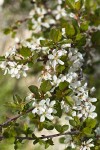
(19, 9)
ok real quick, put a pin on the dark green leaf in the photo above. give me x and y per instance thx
(65, 128)
(55, 35)
(63, 85)
(34, 89)
(58, 128)
(2, 58)
(72, 122)
(58, 109)
(17, 99)
(45, 86)
(48, 125)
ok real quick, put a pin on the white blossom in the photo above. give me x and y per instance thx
(29, 97)
(97, 131)
(55, 57)
(11, 52)
(14, 69)
(46, 74)
(92, 90)
(86, 145)
(59, 12)
(44, 109)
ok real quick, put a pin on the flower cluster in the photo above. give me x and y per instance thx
(11, 67)
(83, 107)
(44, 108)
(14, 69)
(39, 20)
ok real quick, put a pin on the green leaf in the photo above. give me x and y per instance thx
(25, 51)
(45, 86)
(36, 141)
(77, 120)
(65, 128)
(76, 26)
(6, 134)
(41, 142)
(80, 39)
(84, 26)
(7, 31)
(70, 3)
(60, 68)
(17, 99)
(91, 122)
(48, 125)
(68, 92)
(58, 109)
(44, 42)
(34, 89)
(63, 85)
(48, 143)
(87, 131)
(55, 35)
(96, 39)
(69, 28)
(2, 58)
(78, 4)
(58, 128)
(72, 122)
(61, 129)
(69, 100)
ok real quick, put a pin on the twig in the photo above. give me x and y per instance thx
(43, 136)
(15, 118)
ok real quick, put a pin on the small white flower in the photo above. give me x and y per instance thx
(86, 145)
(92, 90)
(59, 12)
(97, 130)
(45, 74)
(91, 112)
(14, 69)
(54, 57)
(29, 97)
(11, 52)
(59, 1)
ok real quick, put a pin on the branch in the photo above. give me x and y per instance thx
(43, 136)
(15, 118)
